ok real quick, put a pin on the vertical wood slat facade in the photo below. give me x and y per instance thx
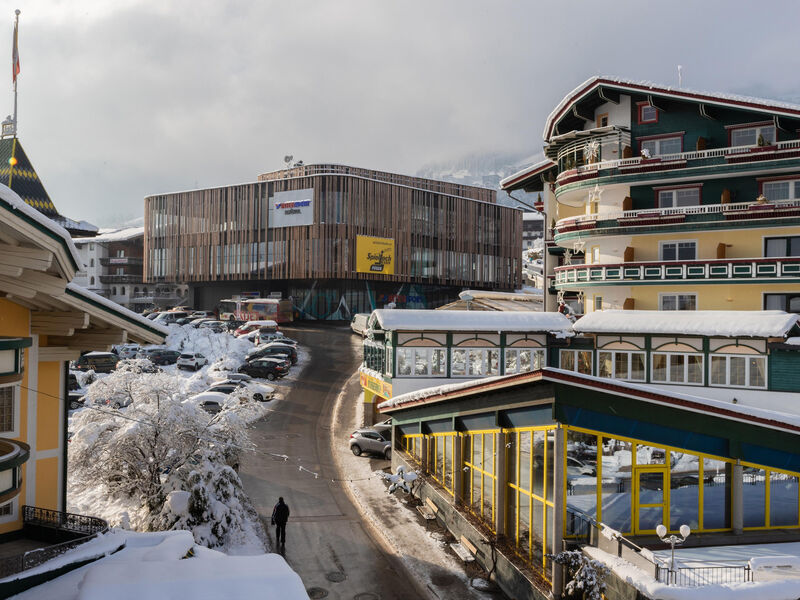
(445, 233)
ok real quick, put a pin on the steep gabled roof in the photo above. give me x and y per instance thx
(513, 181)
(592, 85)
(23, 177)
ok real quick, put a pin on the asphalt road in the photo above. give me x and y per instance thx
(327, 543)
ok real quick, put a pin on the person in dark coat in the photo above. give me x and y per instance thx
(280, 514)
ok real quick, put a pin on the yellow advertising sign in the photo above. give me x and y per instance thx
(373, 384)
(374, 255)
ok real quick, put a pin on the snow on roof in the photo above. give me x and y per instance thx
(722, 323)
(114, 235)
(10, 197)
(441, 390)
(762, 104)
(471, 320)
(527, 172)
(532, 216)
(726, 410)
(116, 308)
(520, 296)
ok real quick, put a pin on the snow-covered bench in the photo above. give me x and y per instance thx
(428, 510)
(464, 549)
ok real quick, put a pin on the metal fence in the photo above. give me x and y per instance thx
(85, 527)
(700, 576)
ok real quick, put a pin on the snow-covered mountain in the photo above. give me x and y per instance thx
(484, 170)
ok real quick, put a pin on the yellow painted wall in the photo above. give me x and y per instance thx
(710, 297)
(743, 243)
(15, 320)
(47, 414)
(47, 475)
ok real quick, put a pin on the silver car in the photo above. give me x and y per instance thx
(370, 440)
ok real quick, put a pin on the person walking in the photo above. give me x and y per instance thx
(280, 514)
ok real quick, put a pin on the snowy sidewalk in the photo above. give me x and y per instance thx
(423, 553)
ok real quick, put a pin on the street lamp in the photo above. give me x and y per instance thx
(661, 531)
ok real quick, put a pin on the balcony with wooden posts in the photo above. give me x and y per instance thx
(581, 160)
(614, 222)
(732, 270)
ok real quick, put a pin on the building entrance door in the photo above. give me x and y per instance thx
(650, 498)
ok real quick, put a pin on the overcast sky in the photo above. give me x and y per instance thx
(122, 99)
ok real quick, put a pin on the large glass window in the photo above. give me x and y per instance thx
(677, 302)
(621, 365)
(8, 396)
(412, 444)
(665, 145)
(782, 246)
(732, 370)
(750, 136)
(479, 467)
(442, 451)
(786, 302)
(475, 362)
(576, 360)
(678, 251)
(684, 494)
(679, 197)
(530, 456)
(783, 499)
(673, 367)
(716, 494)
(754, 494)
(522, 360)
(616, 484)
(421, 362)
(781, 190)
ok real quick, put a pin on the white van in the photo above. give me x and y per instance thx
(359, 323)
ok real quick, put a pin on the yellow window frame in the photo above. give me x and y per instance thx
(483, 472)
(517, 489)
(412, 445)
(768, 493)
(436, 439)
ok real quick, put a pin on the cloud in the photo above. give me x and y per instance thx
(123, 99)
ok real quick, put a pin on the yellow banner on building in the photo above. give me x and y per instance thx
(376, 386)
(374, 255)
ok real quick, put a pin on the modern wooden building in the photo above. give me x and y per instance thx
(304, 231)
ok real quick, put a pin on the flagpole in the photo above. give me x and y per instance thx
(16, 28)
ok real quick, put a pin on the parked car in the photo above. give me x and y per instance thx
(227, 376)
(99, 362)
(127, 350)
(273, 348)
(215, 326)
(243, 389)
(264, 368)
(210, 401)
(267, 338)
(160, 356)
(199, 321)
(165, 318)
(359, 323)
(255, 326)
(370, 440)
(154, 315)
(192, 360)
(578, 468)
(76, 400)
(184, 321)
(208, 314)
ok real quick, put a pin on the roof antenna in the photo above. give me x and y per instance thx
(680, 78)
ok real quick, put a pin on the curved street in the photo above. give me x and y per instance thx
(327, 542)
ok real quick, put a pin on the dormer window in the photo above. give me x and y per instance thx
(647, 113)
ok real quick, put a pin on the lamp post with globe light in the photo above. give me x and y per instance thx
(661, 531)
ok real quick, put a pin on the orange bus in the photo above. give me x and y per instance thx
(256, 309)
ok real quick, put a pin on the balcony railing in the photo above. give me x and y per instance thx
(742, 270)
(127, 278)
(80, 527)
(667, 161)
(121, 261)
(650, 216)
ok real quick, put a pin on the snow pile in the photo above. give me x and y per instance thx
(724, 323)
(648, 586)
(217, 348)
(164, 566)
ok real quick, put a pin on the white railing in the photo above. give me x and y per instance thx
(678, 157)
(672, 210)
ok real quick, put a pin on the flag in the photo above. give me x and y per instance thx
(15, 56)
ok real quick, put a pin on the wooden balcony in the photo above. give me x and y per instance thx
(737, 270)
